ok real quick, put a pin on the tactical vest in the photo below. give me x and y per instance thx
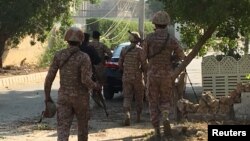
(161, 61)
(70, 76)
(131, 62)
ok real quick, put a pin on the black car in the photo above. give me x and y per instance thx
(113, 74)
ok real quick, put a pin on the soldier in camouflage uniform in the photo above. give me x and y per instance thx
(132, 63)
(158, 48)
(102, 51)
(75, 84)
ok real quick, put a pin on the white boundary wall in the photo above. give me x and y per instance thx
(221, 77)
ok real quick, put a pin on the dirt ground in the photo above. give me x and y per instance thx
(101, 128)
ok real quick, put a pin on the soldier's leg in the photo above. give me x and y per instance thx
(166, 90)
(153, 98)
(139, 96)
(64, 118)
(81, 108)
(127, 98)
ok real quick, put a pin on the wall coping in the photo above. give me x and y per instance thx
(22, 79)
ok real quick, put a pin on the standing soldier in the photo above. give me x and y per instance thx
(93, 55)
(158, 49)
(102, 51)
(75, 84)
(133, 66)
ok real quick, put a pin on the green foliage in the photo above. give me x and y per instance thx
(19, 18)
(56, 43)
(153, 6)
(43, 127)
(31, 17)
(206, 12)
(190, 34)
(229, 48)
(231, 18)
(112, 36)
(248, 76)
(115, 31)
(94, 1)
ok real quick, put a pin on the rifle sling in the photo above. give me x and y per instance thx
(66, 60)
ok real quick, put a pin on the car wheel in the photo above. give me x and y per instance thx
(108, 92)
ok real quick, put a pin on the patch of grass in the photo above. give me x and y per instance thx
(43, 127)
(148, 136)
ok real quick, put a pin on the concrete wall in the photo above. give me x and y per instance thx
(13, 56)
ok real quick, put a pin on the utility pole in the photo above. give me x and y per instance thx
(141, 18)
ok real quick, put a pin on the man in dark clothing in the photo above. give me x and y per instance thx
(94, 57)
(95, 60)
(103, 51)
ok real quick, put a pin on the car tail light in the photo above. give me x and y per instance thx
(112, 65)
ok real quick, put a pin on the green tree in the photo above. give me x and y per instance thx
(153, 6)
(19, 18)
(223, 18)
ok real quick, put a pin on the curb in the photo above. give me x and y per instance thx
(21, 79)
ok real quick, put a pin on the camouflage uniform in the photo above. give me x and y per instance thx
(102, 50)
(133, 65)
(159, 82)
(73, 94)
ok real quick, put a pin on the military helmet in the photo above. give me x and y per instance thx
(161, 18)
(51, 109)
(134, 36)
(74, 34)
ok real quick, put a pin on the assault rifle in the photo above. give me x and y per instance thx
(99, 100)
(97, 95)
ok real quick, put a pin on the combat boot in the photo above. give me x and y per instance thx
(157, 134)
(167, 129)
(127, 118)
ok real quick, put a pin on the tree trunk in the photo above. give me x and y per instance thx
(208, 33)
(2, 45)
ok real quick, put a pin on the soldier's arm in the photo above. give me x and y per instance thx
(86, 73)
(121, 59)
(107, 51)
(50, 78)
(144, 50)
(143, 61)
(178, 50)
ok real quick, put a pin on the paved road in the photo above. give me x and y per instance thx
(194, 83)
(18, 102)
(24, 102)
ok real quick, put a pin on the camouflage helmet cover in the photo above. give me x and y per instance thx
(161, 18)
(74, 34)
(50, 109)
(134, 36)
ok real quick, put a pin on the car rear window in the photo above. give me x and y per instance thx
(117, 51)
